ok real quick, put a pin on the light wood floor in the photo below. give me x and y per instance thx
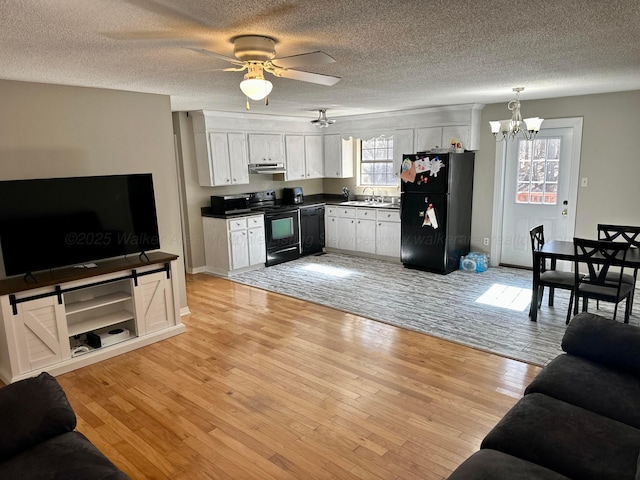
(262, 386)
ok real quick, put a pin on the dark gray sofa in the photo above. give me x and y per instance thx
(37, 437)
(578, 419)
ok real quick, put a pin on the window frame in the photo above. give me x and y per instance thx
(388, 160)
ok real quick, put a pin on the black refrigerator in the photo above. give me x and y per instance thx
(437, 190)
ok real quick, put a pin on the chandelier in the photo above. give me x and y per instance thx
(322, 120)
(528, 127)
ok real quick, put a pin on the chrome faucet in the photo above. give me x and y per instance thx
(373, 194)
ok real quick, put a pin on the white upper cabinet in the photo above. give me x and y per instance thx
(265, 148)
(295, 155)
(238, 158)
(221, 158)
(431, 137)
(304, 154)
(338, 156)
(314, 156)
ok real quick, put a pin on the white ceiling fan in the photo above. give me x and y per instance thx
(322, 121)
(257, 54)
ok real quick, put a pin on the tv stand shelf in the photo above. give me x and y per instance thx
(92, 303)
(98, 323)
(118, 306)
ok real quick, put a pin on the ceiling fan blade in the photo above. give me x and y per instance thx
(327, 80)
(214, 54)
(313, 58)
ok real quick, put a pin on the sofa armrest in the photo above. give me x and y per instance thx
(32, 411)
(605, 341)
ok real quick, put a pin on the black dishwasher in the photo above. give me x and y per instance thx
(312, 229)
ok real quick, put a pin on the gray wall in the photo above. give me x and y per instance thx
(609, 158)
(61, 131)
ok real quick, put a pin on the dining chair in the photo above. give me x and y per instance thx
(627, 234)
(550, 278)
(598, 282)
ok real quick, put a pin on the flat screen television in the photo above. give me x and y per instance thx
(55, 222)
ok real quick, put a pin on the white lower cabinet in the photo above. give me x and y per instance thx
(370, 231)
(64, 325)
(234, 245)
(366, 230)
(388, 233)
(331, 226)
(257, 248)
(346, 234)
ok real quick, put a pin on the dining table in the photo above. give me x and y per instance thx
(555, 250)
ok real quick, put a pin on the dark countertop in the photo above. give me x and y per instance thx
(309, 201)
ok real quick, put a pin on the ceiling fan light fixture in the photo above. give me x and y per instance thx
(322, 121)
(254, 85)
(256, 89)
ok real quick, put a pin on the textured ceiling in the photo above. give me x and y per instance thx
(391, 55)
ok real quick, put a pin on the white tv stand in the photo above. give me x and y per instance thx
(115, 307)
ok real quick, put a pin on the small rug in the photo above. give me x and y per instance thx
(487, 311)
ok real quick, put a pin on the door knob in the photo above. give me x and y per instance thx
(564, 212)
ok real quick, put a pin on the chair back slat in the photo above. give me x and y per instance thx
(537, 242)
(598, 256)
(620, 233)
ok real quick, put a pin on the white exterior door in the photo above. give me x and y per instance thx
(540, 187)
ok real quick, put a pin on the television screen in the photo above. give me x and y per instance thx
(55, 222)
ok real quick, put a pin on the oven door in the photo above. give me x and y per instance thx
(282, 231)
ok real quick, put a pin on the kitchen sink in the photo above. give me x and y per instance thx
(363, 203)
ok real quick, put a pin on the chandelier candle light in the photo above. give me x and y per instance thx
(528, 127)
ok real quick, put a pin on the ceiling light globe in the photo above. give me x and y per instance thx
(256, 89)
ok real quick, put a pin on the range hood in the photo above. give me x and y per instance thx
(267, 168)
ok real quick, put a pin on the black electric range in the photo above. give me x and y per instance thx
(281, 225)
(266, 201)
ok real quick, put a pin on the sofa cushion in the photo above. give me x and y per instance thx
(590, 385)
(490, 464)
(32, 411)
(69, 456)
(604, 341)
(567, 439)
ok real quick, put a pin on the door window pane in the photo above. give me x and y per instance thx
(538, 171)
